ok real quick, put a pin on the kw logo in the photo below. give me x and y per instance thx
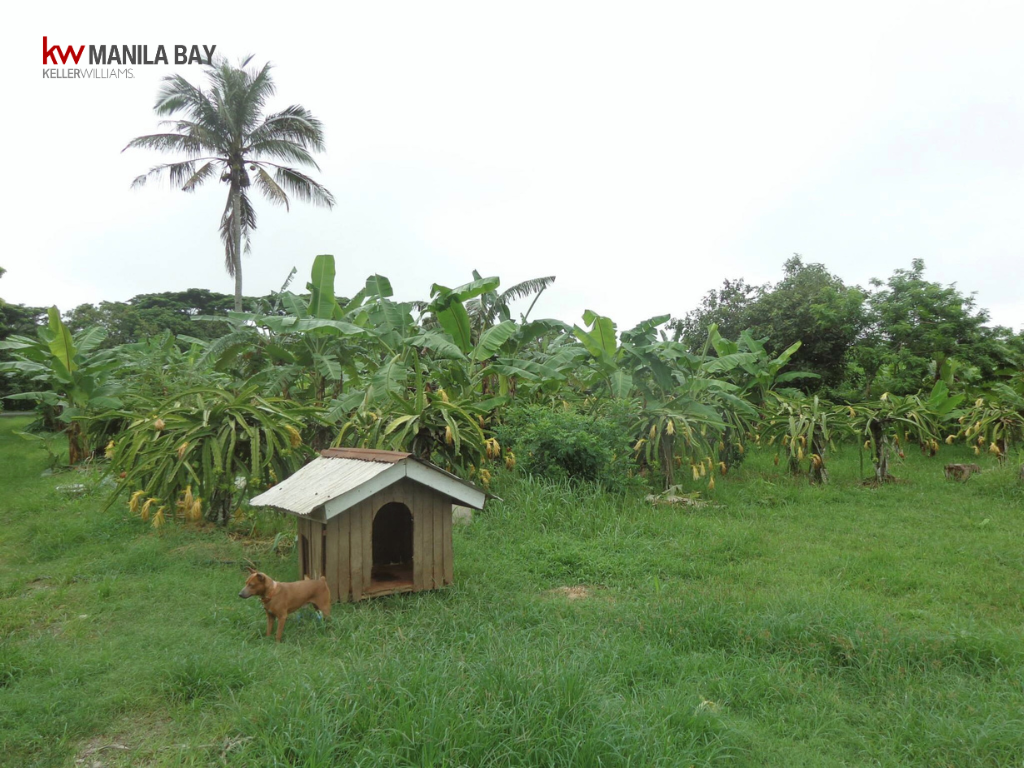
(50, 54)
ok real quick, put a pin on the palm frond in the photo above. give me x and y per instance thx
(302, 186)
(271, 190)
(198, 178)
(242, 93)
(296, 124)
(232, 250)
(519, 291)
(177, 94)
(167, 142)
(180, 173)
(281, 149)
(525, 288)
(213, 137)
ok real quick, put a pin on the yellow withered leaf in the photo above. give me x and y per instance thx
(181, 450)
(949, 440)
(711, 483)
(158, 425)
(671, 428)
(109, 450)
(158, 518)
(448, 435)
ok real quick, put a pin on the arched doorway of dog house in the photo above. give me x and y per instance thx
(392, 548)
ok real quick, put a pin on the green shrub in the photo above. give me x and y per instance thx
(565, 444)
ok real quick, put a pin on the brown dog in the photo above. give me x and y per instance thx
(281, 598)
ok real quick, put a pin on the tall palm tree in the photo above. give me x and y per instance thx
(223, 130)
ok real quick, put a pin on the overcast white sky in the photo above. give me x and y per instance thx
(641, 152)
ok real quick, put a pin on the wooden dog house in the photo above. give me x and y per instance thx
(373, 522)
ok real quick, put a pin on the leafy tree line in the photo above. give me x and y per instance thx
(894, 336)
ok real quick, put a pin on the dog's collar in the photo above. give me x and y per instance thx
(266, 596)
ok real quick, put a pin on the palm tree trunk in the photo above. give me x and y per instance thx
(236, 220)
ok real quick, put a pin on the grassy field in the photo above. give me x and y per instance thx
(789, 626)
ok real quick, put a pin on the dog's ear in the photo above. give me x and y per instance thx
(250, 569)
(260, 577)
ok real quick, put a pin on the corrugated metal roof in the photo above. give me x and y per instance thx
(365, 454)
(318, 482)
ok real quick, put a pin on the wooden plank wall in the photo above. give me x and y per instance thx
(349, 541)
(342, 526)
(316, 549)
(303, 535)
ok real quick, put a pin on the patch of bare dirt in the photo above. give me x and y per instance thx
(577, 592)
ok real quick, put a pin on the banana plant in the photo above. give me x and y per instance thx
(74, 373)
(448, 307)
(599, 338)
(751, 366)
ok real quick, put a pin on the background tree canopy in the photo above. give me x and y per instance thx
(899, 337)
(809, 304)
